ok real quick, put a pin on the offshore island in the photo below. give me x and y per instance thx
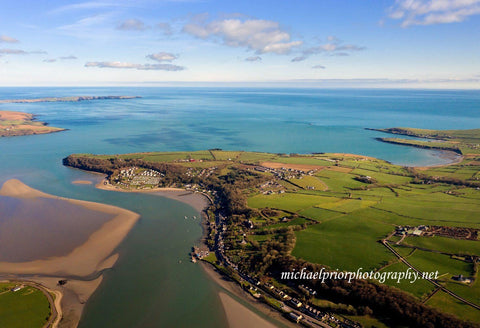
(273, 213)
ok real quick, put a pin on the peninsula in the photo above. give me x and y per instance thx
(64, 99)
(21, 124)
(462, 142)
(277, 213)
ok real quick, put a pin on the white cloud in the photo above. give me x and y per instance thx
(7, 39)
(68, 57)
(298, 59)
(253, 59)
(53, 60)
(132, 25)
(143, 67)
(20, 52)
(318, 67)
(333, 47)
(165, 28)
(13, 52)
(429, 12)
(163, 56)
(262, 36)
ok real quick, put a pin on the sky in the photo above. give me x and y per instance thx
(311, 43)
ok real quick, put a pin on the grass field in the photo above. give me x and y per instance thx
(446, 266)
(348, 243)
(444, 244)
(418, 288)
(26, 308)
(340, 221)
(449, 304)
(309, 181)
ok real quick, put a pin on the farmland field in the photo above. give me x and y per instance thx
(26, 308)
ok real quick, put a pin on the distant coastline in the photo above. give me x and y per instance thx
(64, 99)
(14, 124)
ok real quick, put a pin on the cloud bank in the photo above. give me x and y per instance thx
(7, 39)
(143, 67)
(429, 12)
(261, 36)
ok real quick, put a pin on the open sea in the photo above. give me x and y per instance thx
(154, 284)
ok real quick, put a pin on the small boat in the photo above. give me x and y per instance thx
(194, 217)
(186, 217)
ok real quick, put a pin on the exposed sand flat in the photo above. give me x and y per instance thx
(239, 316)
(88, 259)
(84, 182)
(234, 288)
(85, 259)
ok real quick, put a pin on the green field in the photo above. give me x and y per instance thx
(340, 222)
(347, 243)
(419, 288)
(449, 304)
(444, 244)
(26, 308)
(309, 181)
(446, 266)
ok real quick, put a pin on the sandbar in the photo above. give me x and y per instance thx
(82, 182)
(82, 267)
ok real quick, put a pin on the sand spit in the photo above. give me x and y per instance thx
(85, 259)
(82, 182)
(82, 267)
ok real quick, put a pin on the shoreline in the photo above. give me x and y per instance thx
(198, 200)
(83, 267)
(452, 157)
(229, 304)
(236, 290)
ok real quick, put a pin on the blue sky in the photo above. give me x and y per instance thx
(325, 43)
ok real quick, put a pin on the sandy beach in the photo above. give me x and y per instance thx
(231, 308)
(452, 157)
(238, 316)
(83, 266)
(197, 200)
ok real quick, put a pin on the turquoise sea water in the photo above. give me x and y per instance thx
(149, 287)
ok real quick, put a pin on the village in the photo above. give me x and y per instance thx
(138, 177)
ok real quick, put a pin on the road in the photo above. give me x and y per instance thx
(449, 292)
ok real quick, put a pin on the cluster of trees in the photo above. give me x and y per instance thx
(173, 173)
